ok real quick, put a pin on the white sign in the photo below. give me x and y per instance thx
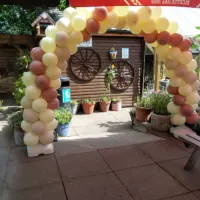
(125, 53)
(86, 44)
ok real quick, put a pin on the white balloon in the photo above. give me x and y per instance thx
(26, 126)
(50, 31)
(30, 139)
(64, 24)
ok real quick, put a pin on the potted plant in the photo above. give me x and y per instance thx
(116, 104)
(15, 121)
(160, 117)
(88, 106)
(113, 53)
(74, 107)
(143, 109)
(104, 103)
(64, 118)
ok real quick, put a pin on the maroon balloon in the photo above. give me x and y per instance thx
(37, 67)
(190, 77)
(193, 119)
(185, 45)
(172, 90)
(53, 104)
(151, 38)
(181, 70)
(100, 13)
(42, 82)
(186, 110)
(49, 94)
(86, 36)
(179, 100)
(37, 53)
(176, 39)
(92, 26)
(163, 38)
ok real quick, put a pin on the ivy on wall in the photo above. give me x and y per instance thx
(63, 4)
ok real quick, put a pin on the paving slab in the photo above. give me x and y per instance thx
(189, 196)
(125, 157)
(6, 135)
(82, 165)
(189, 179)
(197, 194)
(150, 183)
(99, 187)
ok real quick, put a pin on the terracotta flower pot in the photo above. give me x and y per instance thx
(116, 105)
(104, 106)
(88, 108)
(142, 114)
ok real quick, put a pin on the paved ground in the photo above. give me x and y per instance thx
(103, 160)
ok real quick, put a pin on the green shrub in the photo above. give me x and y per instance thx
(144, 102)
(16, 119)
(105, 99)
(74, 103)
(116, 99)
(62, 116)
(88, 101)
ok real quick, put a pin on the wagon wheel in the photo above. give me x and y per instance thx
(124, 76)
(85, 64)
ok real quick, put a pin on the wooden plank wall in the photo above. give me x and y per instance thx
(95, 88)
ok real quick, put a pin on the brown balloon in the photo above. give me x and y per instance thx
(176, 39)
(179, 100)
(193, 119)
(186, 110)
(42, 82)
(185, 45)
(172, 90)
(151, 38)
(49, 94)
(53, 104)
(37, 53)
(37, 67)
(92, 26)
(181, 70)
(163, 38)
(100, 13)
(190, 77)
(86, 36)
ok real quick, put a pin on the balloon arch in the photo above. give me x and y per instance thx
(76, 26)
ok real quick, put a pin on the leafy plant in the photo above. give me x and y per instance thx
(1, 104)
(23, 61)
(90, 101)
(144, 102)
(116, 99)
(160, 102)
(19, 91)
(132, 112)
(16, 119)
(62, 116)
(63, 4)
(110, 75)
(74, 103)
(104, 98)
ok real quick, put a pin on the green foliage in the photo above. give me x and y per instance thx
(19, 91)
(116, 99)
(16, 119)
(132, 112)
(144, 102)
(63, 4)
(160, 102)
(89, 101)
(105, 98)
(15, 20)
(23, 61)
(62, 116)
(1, 105)
(74, 103)
(110, 75)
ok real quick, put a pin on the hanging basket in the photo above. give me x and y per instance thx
(113, 54)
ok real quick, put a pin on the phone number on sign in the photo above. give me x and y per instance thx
(171, 2)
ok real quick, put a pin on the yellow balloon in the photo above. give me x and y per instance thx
(185, 89)
(176, 81)
(121, 11)
(196, 85)
(162, 50)
(72, 48)
(112, 19)
(32, 92)
(86, 12)
(30, 115)
(55, 83)
(30, 139)
(50, 31)
(50, 126)
(46, 116)
(47, 138)
(39, 105)
(173, 27)
(26, 103)
(53, 73)
(78, 23)
(195, 106)
(174, 53)
(69, 12)
(186, 57)
(76, 37)
(193, 98)
(103, 26)
(149, 26)
(169, 73)
(162, 24)
(171, 64)
(64, 24)
(121, 23)
(131, 18)
(192, 65)
(144, 13)
(136, 29)
(178, 119)
(50, 59)
(156, 12)
(173, 108)
(48, 44)
(155, 44)
(162, 58)
(26, 126)
(28, 78)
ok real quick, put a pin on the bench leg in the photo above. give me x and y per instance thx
(192, 160)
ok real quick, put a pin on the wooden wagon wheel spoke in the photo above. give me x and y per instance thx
(90, 56)
(82, 56)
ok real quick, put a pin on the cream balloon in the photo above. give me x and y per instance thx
(185, 89)
(112, 19)
(50, 59)
(76, 37)
(121, 10)
(176, 81)
(168, 73)
(162, 50)
(103, 26)
(174, 53)
(62, 54)
(26, 126)
(50, 126)
(55, 83)
(192, 98)
(196, 85)
(32, 92)
(192, 65)
(38, 128)
(61, 39)
(26, 103)
(86, 12)
(47, 138)
(78, 23)
(48, 44)
(39, 105)
(50, 31)
(72, 48)
(121, 23)
(131, 18)
(144, 13)
(195, 106)
(185, 57)
(30, 139)
(53, 73)
(136, 28)
(156, 12)
(28, 78)
(173, 108)
(178, 119)
(155, 44)
(62, 65)
(46, 116)
(30, 115)
(149, 26)
(162, 24)
(173, 27)
(64, 24)
(69, 12)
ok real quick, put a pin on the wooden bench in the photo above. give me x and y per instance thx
(188, 136)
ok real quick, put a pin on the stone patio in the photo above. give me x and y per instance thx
(104, 159)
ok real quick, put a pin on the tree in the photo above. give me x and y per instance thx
(63, 4)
